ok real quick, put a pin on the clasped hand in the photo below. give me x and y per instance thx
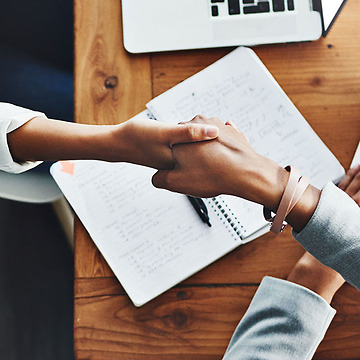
(149, 142)
(225, 165)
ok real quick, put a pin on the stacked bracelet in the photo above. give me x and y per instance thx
(294, 189)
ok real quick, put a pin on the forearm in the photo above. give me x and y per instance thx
(49, 140)
(268, 183)
(326, 223)
(138, 141)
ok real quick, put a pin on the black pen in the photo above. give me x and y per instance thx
(200, 208)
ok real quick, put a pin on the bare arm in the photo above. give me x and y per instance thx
(144, 142)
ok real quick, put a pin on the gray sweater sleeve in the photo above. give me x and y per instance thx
(284, 321)
(333, 234)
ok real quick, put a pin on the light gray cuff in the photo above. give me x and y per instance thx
(283, 321)
(333, 233)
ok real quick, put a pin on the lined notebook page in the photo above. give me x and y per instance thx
(239, 88)
(152, 239)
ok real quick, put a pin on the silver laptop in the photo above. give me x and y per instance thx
(162, 25)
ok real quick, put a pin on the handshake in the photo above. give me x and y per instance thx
(202, 158)
(227, 164)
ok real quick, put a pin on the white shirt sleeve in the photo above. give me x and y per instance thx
(11, 118)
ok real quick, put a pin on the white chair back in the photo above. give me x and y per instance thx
(31, 187)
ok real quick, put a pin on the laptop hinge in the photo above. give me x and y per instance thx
(316, 5)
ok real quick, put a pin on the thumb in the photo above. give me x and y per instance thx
(159, 179)
(192, 133)
(166, 179)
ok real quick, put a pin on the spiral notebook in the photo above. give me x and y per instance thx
(153, 239)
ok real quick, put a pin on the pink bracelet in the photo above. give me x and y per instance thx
(294, 190)
(300, 189)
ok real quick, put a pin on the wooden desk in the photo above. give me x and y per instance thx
(195, 320)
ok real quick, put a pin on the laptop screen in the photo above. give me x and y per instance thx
(330, 10)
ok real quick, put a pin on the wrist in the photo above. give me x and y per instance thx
(265, 185)
(106, 143)
(274, 186)
(272, 182)
(304, 209)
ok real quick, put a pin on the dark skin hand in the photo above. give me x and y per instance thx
(229, 165)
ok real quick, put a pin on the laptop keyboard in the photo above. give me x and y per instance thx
(238, 7)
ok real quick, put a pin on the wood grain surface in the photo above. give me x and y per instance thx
(195, 320)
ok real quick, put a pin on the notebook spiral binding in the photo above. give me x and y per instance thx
(227, 216)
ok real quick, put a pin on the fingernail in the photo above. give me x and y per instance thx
(211, 131)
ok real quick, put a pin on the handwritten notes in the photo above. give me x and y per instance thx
(152, 239)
